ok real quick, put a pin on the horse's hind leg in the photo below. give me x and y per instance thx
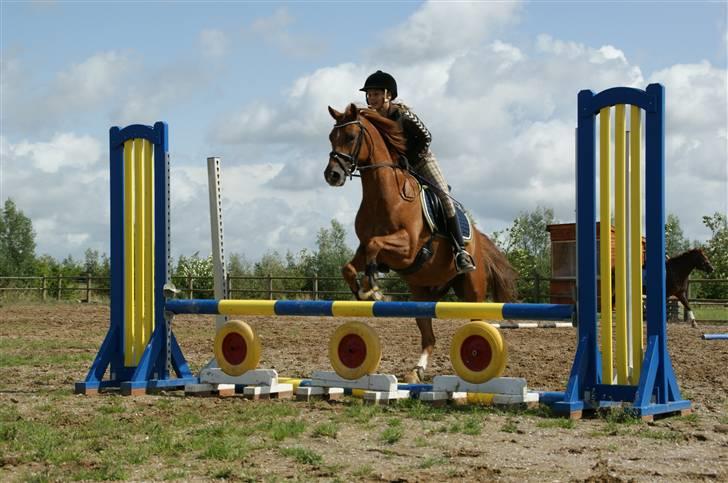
(351, 269)
(428, 345)
(427, 338)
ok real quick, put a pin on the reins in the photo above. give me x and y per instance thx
(353, 161)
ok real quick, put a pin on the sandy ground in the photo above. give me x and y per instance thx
(696, 448)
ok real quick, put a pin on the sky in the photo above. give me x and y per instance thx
(495, 82)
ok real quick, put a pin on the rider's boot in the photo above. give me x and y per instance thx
(463, 261)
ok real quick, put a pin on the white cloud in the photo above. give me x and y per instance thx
(92, 81)
(62, 185)
(696, 95)
(441, 29)
(63, 151)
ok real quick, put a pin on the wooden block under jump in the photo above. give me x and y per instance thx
(307, 393)
(372, 382)
(204, 389)
(515, 386)
(498, 391)
(276, 391)
(255, 377)
(384, 397)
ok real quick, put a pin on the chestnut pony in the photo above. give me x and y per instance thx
(392, 230)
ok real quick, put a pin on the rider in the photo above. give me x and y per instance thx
(381, 90)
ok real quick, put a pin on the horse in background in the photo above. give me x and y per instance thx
(677, 271)
(392, 230)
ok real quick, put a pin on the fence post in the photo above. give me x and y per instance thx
(270, 287)
(88, 288)
(315, 286)
(537, 281)
(228, 286)
(43, 287)
(189, 286)
(58, 293)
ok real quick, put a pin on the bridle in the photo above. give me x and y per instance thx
(349, 163)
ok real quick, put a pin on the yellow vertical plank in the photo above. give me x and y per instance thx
(129, 306)
(620, 242)
(149, 240)
(636, 261)
(605, 248)
(139, 282)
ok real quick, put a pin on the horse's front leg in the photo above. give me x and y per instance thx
(396, 244)
(351, 269)
(684, 300)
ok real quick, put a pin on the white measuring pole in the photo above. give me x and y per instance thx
(218, 252)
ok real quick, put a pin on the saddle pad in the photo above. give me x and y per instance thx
(435, 214)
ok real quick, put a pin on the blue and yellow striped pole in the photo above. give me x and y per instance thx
(328, 308)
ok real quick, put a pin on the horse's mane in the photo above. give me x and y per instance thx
(389, 130)
(688, 253)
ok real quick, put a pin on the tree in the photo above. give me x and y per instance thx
(716, 249)
(675, 241)
(195, 269)
(332, 253)
(527, 245)
(17, 242)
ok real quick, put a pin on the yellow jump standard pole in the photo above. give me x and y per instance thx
(605, 244)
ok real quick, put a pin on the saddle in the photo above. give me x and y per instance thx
(434, 213)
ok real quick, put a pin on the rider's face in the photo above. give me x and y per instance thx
(376, 98)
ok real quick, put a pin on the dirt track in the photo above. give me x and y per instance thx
(686, 449)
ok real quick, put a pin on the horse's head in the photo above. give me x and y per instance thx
(702, 262)
(348, 146)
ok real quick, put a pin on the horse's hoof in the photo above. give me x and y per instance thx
(377, 295)
(694, 324)
(412, 378)
(364, 294)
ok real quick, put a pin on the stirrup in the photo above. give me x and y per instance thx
(464, 262)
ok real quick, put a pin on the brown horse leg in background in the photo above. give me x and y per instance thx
(682, 297)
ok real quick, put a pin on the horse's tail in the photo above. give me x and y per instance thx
(500, 274)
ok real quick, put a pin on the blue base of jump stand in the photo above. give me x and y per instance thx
(150, 375)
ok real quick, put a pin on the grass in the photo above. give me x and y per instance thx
(326, 430)
(359, 413)
(510, 426)
(711, 313)
(392, 434)
(364, 471)
(470, 425)
(661, 435)
(303, 455)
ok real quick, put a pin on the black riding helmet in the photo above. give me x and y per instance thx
(381, 80)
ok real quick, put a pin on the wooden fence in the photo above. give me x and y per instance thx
(86, 289)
